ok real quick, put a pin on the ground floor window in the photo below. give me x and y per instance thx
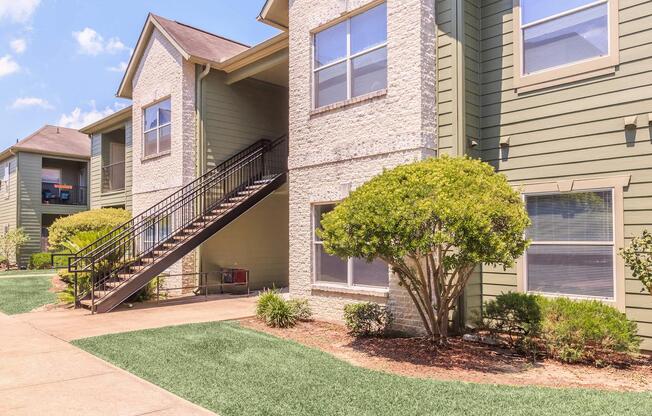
(573, 248)
(349, 272)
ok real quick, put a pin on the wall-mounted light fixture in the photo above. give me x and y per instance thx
(630, 122)
(504, 141)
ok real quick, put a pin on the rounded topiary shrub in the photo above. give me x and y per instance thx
(94, 220)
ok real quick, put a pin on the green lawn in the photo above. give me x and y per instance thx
(19, 294)
(232, 370)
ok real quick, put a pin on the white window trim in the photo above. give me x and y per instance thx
(617, 185)
(349, 269)
(348, 58)
(605, 243)
(573, 71)
(157, 128)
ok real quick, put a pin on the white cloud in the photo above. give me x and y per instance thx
(92, 43)
(25, 102)
(114, 45)
(18, 45)
(18, 11)
(121, 67)
(80, 118)
(8, 65)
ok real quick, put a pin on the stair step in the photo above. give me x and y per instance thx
(125, 276)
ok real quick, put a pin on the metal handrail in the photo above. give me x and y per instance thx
(112, 237)
(162, 225)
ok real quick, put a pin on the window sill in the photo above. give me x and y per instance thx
(524, 85)
(351, 101)
(156, 156)
(110, 193)
(346, 290)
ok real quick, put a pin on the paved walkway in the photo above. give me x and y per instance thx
(42, 374)
(70, 324)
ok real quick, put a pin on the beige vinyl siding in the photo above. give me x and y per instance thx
(8, 195)
(110, 199)
(30, 207)
(574, 130)
(238, 115)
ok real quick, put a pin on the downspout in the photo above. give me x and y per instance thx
(200, 143)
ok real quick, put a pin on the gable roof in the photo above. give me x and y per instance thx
(53, 140)
(195, 45)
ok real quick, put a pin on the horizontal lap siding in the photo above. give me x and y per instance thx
(573, 131)
(8, 196)
(237, 115)
(445, 76)
(98, 199)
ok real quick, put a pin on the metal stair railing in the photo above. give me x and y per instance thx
(161, 227)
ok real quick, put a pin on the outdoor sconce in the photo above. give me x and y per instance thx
(649, 118)
(473, 143)
(630, 122)
(504, 141)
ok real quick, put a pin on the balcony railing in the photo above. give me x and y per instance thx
(113, 177)
(62, 194)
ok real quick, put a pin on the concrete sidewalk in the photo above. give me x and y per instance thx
(70, 324)
(42, 374)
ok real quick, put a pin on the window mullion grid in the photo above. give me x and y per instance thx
(348, 59)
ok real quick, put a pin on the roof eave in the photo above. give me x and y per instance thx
(264, 15)
(255, 53)
(108, 121)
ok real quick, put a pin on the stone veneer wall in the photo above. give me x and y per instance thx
(338, 149)
(164, 73)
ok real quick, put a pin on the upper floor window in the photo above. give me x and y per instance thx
(157, 136)
(563, 38)
(350, 57)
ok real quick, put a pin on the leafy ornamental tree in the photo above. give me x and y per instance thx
(11, 242)
(638, 257)
(432, 221)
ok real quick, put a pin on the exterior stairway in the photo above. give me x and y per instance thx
(126, 259)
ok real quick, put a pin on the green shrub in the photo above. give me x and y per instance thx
(586, 331)
(68, 294)
(301, 309)
(10, 243)
(279, 313)
(517, 315)
(40, 261)
(264, 299)
(367, 318)
(638, 257)
(568, 330)
(94, 220)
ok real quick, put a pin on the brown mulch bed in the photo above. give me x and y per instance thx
(462, 361)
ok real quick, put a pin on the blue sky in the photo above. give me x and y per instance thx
(61, 60)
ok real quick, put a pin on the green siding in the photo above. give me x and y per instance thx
(574, 130)
(98, 198)
(8, 194)
(29, 203)
(237, 115)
